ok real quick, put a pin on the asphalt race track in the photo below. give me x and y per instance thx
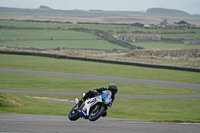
(106, 78)
(17, 123)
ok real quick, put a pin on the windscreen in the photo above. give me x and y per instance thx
(108, 93)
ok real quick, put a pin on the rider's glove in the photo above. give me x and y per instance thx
(110, 105)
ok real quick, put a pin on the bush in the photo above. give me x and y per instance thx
(10, 100)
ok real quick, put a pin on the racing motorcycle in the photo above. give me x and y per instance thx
(93, 108)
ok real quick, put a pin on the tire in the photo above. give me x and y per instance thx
(93, 116)
(73, 115)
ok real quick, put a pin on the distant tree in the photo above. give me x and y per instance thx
(166, 11)
(44, 7)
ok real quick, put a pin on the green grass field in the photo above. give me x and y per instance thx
(130, 108)
(175, 110)
(59, 84)
(44, 34)
(93, 44)
(161, 45)
(33, 106)
(67, 43)
(185, 36)
(157, 109)
(84, 67)
(62, 25)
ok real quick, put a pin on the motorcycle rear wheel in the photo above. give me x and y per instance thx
(73, 115)
(93, 116)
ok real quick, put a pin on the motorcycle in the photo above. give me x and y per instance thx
(93, 108)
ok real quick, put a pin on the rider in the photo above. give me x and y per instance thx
(112, 87)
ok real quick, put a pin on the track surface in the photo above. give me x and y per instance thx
(106, 78)
(41, 123)
(58, 124)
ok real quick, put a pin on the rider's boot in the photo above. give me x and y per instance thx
(80, 103)
(76, 101)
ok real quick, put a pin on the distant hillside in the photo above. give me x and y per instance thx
(45, 13)
(167, 11)
(45, 10)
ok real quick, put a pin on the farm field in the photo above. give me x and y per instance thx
(160, 45)
(40, 38)
(61, 25)
(182, 36)
(44, 34)
(12, 34)
(93, 44)
(188, 33)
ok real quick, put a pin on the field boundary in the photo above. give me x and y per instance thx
(104, 61)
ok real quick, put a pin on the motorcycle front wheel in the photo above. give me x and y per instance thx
(96, 113)
(73, 115)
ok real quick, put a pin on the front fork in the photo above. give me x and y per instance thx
(96, 108)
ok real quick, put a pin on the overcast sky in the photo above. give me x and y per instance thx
(190, 6)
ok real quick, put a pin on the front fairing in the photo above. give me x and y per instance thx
(91, 102)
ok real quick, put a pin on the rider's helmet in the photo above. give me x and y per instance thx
(113, 88)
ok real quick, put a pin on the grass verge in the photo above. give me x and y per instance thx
(156, 109)
(175, 121)
(38, 107)
(151, 110)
